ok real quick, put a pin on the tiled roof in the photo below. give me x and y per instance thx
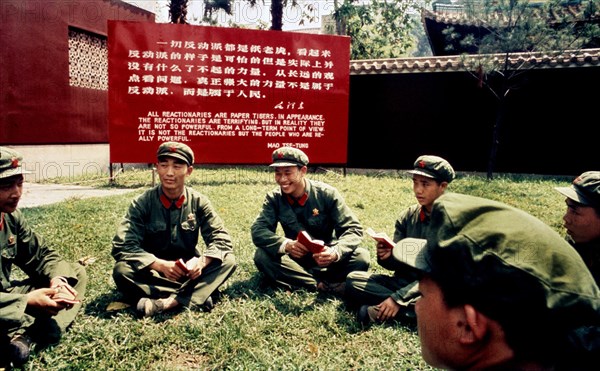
(582, 58)
(454, 13)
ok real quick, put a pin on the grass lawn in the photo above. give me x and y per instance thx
(253, 327)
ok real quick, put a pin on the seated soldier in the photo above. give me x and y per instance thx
(582, 218)
(159, 264)
(300, 204)
(38, 309)
(385, 297)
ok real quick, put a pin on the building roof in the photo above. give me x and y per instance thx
(453, 15)
(455, 63)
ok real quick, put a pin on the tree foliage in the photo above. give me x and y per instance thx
(178, 10)
(378, 28)
(541, 30)
(307, 10)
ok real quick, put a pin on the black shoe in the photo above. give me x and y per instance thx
(216, 296)
(208, 305)
(19, 349)
(367, 314)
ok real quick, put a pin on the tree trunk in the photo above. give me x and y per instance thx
(178, 11)
(277, 15)
(496, 137)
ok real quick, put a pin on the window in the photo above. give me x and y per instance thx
(88, 60)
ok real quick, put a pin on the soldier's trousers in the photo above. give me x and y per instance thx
(305, 273)
(148, 283)
(371, 289)
(42, 328)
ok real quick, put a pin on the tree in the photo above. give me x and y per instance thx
(378, 28)
(539, 30)
(178, 10)
(277, 7)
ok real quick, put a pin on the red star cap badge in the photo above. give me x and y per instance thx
(173, 149)
(577, 180)
(422, 163)
(279, 155)
(14, 162)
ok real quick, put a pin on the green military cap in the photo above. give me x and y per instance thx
(288, 156)
(10, 163)
(176, 150)
(584, 190)
(498, 255)
(433, 167)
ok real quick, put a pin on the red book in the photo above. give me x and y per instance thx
(381, 237)
(187, 266)
(65, 294)
(315, 246)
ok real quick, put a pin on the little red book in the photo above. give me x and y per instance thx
(381, 237)
(315, 246)
(65, 294)
(187, 266)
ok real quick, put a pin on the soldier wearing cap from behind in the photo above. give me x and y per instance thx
(381, 297)
(582, 219)
(163, 226)
(501, 290)
(301, 204)
(38, 309)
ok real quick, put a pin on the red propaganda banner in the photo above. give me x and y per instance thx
(232, 95)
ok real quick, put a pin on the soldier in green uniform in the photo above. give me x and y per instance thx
(30, 309)
(382, 297)
(501, 290)
(300, 204)
(162, 226)
(582, 219)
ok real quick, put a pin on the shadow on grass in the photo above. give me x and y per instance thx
(301, 301)
(99, 307)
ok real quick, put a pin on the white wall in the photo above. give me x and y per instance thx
(64, 160)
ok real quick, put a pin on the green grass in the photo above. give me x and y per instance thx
(253, 327)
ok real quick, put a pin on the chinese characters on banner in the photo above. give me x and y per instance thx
(233, 95)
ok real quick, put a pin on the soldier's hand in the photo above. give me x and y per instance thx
(326, 257)
(168, 269)
(40, 301)
(383, 252)
(295, 249)
(388, 309)
(196, 271)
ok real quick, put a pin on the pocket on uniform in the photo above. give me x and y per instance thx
(189, 225)
(10, 251)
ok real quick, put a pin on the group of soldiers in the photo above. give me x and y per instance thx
(489, 285)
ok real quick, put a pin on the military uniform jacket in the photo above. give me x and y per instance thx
(412, 222)
(152, 230)
(590, 253)
(324, 215)
(21, 247)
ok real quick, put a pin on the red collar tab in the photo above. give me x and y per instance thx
(1, 221)
(423, 216)
(300, 201)
(167, 202)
